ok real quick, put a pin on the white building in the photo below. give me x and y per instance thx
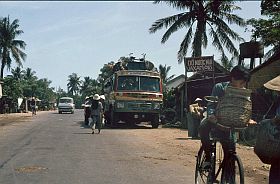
(175, 82)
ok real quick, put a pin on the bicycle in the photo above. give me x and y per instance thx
(226, 166)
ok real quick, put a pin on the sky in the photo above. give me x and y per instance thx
(80, 37)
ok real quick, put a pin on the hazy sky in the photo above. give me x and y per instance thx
(66, 37)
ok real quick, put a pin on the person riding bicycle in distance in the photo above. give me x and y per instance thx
(239, 77)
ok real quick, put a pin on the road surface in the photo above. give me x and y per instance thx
(52, 148)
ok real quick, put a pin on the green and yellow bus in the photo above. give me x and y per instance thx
(133, 96)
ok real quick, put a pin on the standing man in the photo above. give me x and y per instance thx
(96, 111)
(274, 173)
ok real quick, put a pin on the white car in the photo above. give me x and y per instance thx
(66, 104)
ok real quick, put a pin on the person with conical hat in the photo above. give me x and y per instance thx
(274, 173)
(96, 112)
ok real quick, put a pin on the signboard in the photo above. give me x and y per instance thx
(199, 64)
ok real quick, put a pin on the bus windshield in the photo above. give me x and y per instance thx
(138, 83)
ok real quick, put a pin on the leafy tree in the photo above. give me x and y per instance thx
(10, 47)
(12, 87)
(106, 72)
(200, 15)
(74, 84)
(268, 30)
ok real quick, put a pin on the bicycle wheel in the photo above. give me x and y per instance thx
(202, 175)
(233, 171)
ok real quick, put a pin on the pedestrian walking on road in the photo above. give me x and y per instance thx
(96, 112)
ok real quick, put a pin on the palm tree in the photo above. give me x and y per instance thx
(201, 17)
(74, 84)
(17, 73)
(10, 47)
(29, 74)
(163, 70)
(85, 84)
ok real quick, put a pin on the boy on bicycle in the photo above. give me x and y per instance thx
(239, 77)
(33, 105)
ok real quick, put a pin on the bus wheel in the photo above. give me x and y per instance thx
(155, 121)
(113, 119)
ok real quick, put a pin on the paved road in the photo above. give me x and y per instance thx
(55, 148)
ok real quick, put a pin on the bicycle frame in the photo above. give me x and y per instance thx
(228, 157)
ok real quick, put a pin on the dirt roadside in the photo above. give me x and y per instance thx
(6, 119)
(175, 145)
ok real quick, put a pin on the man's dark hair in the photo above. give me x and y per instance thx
(240, 73)
(94, 104)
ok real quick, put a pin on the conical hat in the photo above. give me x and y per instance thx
(273, 84)
(96, 97)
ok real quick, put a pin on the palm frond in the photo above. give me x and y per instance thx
(16, 55)
(216, 41)
(229, 6)
(223, 37)
(184, 45)
(182, 21)
(18, 32)
(222, 25)
(234, 19)
(19, 43)
(164, 22)
(179, 5)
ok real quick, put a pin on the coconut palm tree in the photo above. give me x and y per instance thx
(17, 73)
(164, 70)
(74, 84)
(10, 47)
(29, 74)
(201, 19)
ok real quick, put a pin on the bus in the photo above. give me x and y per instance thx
(133, 95)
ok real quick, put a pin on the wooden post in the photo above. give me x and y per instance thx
(186, 96)
(213, 71)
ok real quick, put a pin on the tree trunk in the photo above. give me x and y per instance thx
(4, 62)
(2, 71)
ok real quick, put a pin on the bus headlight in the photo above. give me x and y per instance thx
(120, 105)
(156, 106)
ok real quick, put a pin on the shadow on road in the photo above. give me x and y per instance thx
(187, 138)
(89, 133)
(118, 126)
